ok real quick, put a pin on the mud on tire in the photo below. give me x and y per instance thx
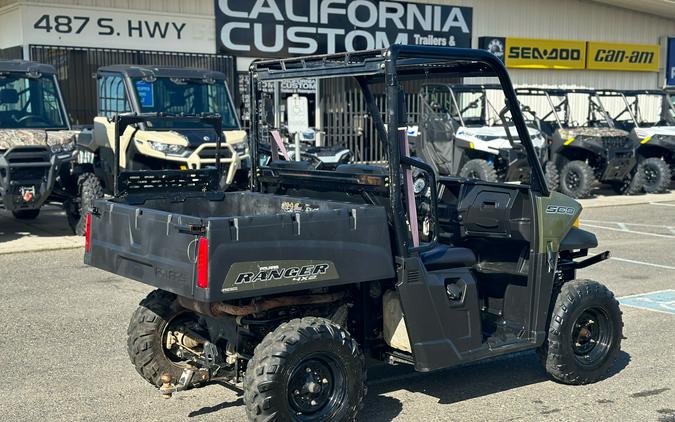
(309, 369)
(145, 337)
(577, 179)
(584, 333)
(478, 169)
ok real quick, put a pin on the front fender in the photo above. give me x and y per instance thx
(578, 239)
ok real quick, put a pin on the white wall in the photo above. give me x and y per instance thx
(552, 19)
(10, 33)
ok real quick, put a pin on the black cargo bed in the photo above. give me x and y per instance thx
(258, 243)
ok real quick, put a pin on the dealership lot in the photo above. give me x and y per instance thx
(66, 359)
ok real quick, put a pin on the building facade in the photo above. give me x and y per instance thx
(77, 36)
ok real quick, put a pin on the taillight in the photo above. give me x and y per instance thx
(87, 233)
(203, 263)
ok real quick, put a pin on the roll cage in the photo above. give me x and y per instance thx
(390, 67)
(457, 110)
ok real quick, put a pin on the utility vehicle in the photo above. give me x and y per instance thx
(285, 289)
(650, 117)
(462, 133)
(37, 145)
(588, 151)
(160, 144)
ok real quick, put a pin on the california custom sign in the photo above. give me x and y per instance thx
(285, 28)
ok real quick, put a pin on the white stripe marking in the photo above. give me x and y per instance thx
(667, 236)
(629, 224)
(662, 204)
(631, 261)
(647, 293)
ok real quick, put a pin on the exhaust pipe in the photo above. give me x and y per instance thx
(220, 309)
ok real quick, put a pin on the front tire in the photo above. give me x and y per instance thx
(657, 175)
(26, 214)
(307, 369)
(478, 169)
(90, 189)
(552, 176)
(632, 185)
(577, 179)
(584, 334)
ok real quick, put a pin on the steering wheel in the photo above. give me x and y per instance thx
(32, 117)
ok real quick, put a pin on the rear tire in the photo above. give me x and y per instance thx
(657, 175)
(26, 214)
(584, 333)
(552, 176)
(478, 169)
(145, 342)
(577, 179)
(90, 189)
(307, 369)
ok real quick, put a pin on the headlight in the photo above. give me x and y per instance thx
(172, 149)
(60, 148)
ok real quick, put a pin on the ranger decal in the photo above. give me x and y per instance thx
(260, 274)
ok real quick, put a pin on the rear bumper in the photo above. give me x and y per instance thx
(28, 175)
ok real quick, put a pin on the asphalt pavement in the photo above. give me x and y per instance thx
(63, 346)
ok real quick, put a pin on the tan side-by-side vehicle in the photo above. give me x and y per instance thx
(162, 144)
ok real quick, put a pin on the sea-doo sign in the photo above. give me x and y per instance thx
(283, 28)
(545, 54)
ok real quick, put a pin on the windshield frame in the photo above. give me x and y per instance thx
(136, 103)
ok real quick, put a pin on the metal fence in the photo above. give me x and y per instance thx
(346, 120)
(76, 68)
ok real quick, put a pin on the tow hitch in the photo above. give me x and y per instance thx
(27, 193)
(168, 388)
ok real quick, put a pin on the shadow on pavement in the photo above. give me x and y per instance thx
(51, 222)
(460, 384)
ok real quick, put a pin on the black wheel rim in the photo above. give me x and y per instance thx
(591, 337)
(317, 387)
(651, 175)
(572, 180)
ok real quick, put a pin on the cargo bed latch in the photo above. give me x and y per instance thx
(195, 229)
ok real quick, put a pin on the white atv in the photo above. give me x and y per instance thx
(461, 124)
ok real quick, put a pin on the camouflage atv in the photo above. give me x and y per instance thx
(37, 145)
(170, 144)
(650, 117)
(587, 152)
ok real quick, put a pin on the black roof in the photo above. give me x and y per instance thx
(632, 92)
(24, 66)
(555, 92)
(137, 71)
(475, 87)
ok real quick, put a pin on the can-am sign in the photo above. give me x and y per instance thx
(283, 28)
